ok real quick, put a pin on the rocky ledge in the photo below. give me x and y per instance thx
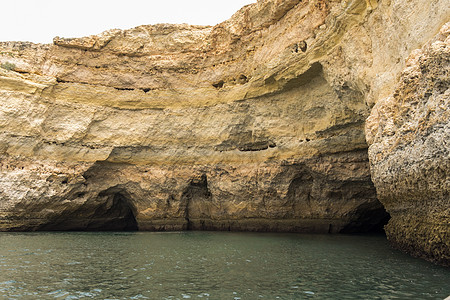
(255, 124)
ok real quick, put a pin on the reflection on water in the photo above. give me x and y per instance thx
(212, 265)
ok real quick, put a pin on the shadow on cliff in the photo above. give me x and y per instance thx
(93, 202)
(110, 211)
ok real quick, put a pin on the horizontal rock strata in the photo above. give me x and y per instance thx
(254, 124)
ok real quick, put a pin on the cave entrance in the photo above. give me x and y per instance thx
(112, 210)
(115, 214)
(371, 219)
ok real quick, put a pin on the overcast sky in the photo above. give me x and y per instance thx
(40, 20)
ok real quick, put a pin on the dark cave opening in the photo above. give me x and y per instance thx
(115, 216)
(310, 190)
(110, 211)
(370, 220)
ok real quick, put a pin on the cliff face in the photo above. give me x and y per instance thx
(254, 124)
(409, 134)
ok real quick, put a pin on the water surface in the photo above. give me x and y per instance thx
(212, 265)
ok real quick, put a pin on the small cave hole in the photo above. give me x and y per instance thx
(219, 84)
(302, 46)
(242, 79)
(59, 80)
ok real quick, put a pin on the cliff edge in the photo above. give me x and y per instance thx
(409, 134)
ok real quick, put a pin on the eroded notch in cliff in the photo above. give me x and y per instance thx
(195, 200)
(318, 190)
(283, 85)
(112, 210)
(115, 213)
(300, 188)
(315, 70)
(368, 217)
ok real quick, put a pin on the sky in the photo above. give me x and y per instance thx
(39, 21)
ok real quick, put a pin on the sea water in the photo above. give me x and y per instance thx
(211, 265)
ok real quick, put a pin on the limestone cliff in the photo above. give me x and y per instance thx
(256, 123)
(409, 134)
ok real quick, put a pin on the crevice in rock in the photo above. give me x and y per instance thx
(195, 199)
(242, 139)
(257, 146)
(124, 89)
(59, 80)
(145, 90)
(337, 129)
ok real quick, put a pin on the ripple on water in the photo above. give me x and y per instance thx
(206, 265)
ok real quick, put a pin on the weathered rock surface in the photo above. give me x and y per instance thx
(409, 137)
(254, 124)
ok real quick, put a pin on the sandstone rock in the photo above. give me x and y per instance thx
(409, 134)
(256, 123)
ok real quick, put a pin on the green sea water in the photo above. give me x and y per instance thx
(211, 265)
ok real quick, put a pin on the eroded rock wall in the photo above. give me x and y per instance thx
(409, 137)
(254, 124)
(276, 163)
